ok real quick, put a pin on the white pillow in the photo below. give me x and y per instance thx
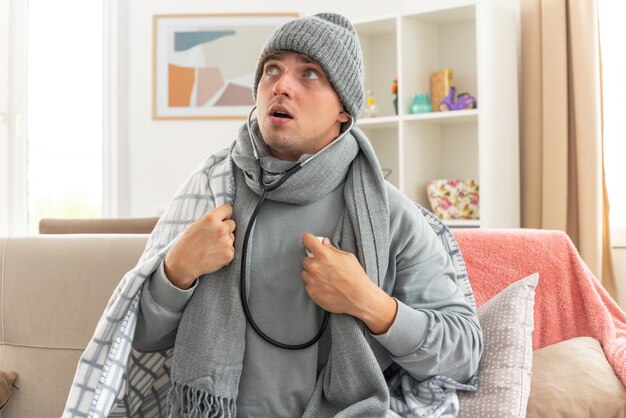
(573, 378)
(505, 367)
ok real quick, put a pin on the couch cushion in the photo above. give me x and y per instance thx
(574, 379)
(505, 367)
(53, 290)
(45, 378)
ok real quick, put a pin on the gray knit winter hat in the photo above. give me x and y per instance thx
(331, 41)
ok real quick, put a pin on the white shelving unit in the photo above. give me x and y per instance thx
(478, 40)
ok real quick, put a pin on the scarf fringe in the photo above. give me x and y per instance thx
(188, 402)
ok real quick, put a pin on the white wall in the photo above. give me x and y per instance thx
(155, 157)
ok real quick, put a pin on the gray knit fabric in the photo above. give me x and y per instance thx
(113, 380)
(331, 41)
(208, 362)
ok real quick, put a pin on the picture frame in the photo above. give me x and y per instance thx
(203, 64)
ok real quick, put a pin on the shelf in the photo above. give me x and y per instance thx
(379, 39)
(379, 121)
(438, 118)
(481, 143)
(446, 16)
(450, 117)
(376, 26)
(463, 223)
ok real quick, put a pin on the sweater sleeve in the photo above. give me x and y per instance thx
(436, 331)
(160, 311)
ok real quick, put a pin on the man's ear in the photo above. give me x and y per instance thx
(343, 116)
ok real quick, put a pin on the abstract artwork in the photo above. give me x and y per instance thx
(203, 65)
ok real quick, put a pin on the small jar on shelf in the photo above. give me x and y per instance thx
(421, 104)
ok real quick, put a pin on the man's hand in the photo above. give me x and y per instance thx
(336, 282)
(205, 246)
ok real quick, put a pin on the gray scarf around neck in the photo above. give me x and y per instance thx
(210, 343)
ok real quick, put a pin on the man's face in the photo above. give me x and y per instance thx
(299, 112)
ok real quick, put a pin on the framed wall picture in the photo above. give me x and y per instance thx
(203, 65)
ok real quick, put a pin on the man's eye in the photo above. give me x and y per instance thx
(271, 70)
(311, 75)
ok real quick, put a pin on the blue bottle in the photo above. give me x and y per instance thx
(421, 104)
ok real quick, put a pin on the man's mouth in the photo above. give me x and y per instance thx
(280, 112)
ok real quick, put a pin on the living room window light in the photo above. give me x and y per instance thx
(612, 35)
(64, 109)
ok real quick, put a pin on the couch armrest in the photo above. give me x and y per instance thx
(53, 290)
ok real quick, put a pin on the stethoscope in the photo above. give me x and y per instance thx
(265, 189)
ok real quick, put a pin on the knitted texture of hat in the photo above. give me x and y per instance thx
(331, 41)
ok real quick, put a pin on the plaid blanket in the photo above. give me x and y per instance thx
(114, 380)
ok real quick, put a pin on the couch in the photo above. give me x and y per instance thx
(97, 225)
(53, 289)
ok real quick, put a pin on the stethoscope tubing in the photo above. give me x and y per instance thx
(244, 299)
(244, 251)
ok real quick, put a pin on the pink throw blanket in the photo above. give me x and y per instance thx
(569, 300)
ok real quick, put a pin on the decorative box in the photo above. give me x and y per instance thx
(440, 83)
(454, 199)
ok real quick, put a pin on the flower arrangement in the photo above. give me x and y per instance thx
(394, 91)
(394, 88)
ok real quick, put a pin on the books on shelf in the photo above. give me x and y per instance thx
(440, 83)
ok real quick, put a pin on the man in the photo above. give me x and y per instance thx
(379, 269)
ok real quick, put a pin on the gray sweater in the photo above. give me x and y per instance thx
(435, 331)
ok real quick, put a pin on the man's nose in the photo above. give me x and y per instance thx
(283, 86)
